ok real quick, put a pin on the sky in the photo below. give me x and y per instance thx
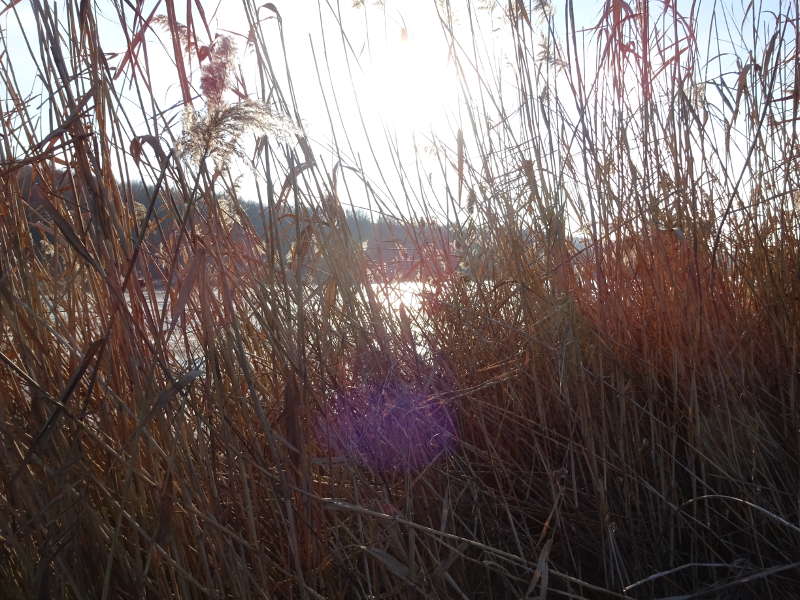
(393, 71)
(393, 75)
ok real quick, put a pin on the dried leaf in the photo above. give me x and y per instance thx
(460, 143)
(394, 566)
(329, 296)
(187, 284)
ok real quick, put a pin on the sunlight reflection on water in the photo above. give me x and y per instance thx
(392, 295)
(401, 293)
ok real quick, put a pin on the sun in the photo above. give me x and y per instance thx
(411, 81)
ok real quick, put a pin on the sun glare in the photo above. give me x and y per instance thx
(411, 82)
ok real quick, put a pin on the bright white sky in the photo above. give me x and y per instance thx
(392, 76)
(403, 78)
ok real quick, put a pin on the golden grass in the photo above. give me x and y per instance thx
(615, 420)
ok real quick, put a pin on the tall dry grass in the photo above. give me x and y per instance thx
(610, 417)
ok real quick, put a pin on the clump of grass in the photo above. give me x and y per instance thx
(600, 402)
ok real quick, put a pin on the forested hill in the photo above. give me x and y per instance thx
(398, 245)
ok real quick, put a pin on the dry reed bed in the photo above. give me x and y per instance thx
(615, 420)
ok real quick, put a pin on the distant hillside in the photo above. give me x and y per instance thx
(396, 249)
